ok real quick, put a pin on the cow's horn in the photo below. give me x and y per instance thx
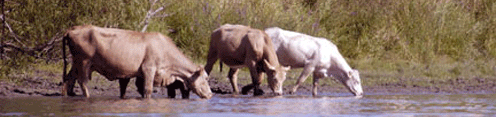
(286, 68)
(269, 65)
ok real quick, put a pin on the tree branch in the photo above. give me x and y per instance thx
(44, 48)
(16, 38)
(3, 30)
(14, 46)
(150, 14)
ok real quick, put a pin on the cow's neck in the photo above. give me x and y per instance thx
(341, 65)
(183, 67)
(277, 41)
(339, 70)
(271, 57)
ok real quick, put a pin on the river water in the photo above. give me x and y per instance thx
(231, 105)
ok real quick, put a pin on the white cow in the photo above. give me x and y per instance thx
(313, 54)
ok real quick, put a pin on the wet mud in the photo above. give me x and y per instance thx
(99, 86)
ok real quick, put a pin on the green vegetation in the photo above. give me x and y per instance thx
(389, 41)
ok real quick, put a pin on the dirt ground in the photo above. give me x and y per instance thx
(99, 86)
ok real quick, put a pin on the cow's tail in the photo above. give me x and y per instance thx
(65, 40)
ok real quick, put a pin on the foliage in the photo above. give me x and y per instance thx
(367, 32)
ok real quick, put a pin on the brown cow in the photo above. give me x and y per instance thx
(121, 54)
(241, 46)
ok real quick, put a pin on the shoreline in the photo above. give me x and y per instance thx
(99, 86)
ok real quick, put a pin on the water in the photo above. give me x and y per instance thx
(229, 105)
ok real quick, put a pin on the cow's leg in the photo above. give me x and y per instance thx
(82, 83)
(316, 77)
(303, 76)
(182, 87)
(184, 92)
(84, 88)
(211, 59)
(69, 82)
(256, 77)
(123, 85)
(149, 75)
(233, 78)
(84, 77)
(171, 89)
(256, 85)
(140, 86)
(171, 92)
(246, 88)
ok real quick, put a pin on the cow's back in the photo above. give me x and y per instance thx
(113, 52)
(297, 49)
(235, 42)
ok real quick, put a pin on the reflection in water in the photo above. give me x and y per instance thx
(230, 105)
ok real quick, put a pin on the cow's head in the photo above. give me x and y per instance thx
(199, 85)
(276, 76)
(352, 81)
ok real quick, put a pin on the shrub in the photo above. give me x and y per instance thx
(420, 31)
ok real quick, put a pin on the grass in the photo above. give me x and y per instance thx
(413, 42)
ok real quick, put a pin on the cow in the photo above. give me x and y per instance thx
(240, 46)
(171, 89)
(313, 54)
(122, 54)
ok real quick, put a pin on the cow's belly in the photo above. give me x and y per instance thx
(119, 58)
(233, 63)
(113, 74)
(295, 59)
(115, 69)
(236, 66)
(294, 63)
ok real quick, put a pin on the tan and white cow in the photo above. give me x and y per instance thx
(122, 54)
(313, 54)
(240, 46)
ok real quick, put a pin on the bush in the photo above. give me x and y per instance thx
(420, 31)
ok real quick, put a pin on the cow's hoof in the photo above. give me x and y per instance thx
(185, 95)
(245, 90)
(258, 92)
(71, 94)
(171, 93)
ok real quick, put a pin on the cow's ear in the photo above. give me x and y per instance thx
(269, 65)
(199, 69)
(180, 79)
(203, 73)
(196, 74)
(353, 71)
(200, 72)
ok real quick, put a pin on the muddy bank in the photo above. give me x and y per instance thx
(99, 86)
